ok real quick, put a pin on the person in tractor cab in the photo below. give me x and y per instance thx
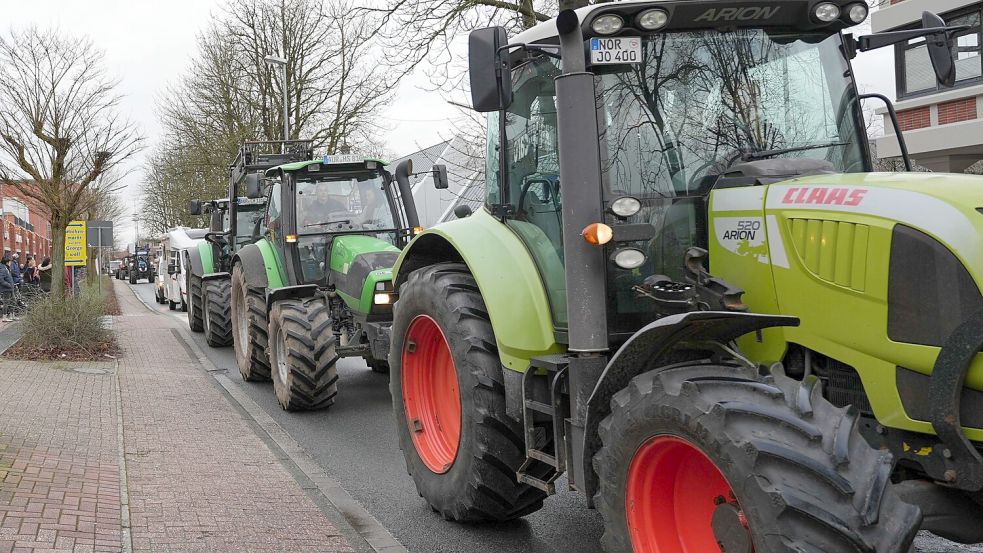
(375, 209)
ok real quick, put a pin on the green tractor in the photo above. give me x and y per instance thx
(688, 294)
(318, 285)
(234, 222)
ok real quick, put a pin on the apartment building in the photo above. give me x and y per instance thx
(25, 225)
(943, 127)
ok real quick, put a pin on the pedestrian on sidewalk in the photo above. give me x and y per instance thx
(31, 275)
(15, 270)
(6, 290)
(44, 274)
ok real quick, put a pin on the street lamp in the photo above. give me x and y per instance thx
(282, 64)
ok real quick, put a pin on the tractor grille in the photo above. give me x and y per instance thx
(842, 385)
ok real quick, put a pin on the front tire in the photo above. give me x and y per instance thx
(195, 313)
(699, 453)
(171, 305)
(133, 279)
(446, 380)
(217, 321)
(303, 355)
(249, 327)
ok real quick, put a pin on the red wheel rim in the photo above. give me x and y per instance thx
(673, 489)
(430, 394)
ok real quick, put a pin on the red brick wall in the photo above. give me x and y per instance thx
(959, 110)
(917, 118)
(37, 242)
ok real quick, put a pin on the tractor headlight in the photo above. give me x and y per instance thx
(827, 12)
(653, 20)
(857, 13)
(607, 24)
(628, 258)
(382, 298)
(626, 206)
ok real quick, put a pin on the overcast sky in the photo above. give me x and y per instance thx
(148, 45)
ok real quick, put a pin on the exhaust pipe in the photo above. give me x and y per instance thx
(402, 176)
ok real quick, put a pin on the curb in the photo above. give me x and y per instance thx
(305, 470)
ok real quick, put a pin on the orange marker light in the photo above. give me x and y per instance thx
(417, 230)
(597, 234)
(291, 238)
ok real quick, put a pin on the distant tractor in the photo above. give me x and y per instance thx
(140, 266)
(317, 286)
(688, 295)
(234, 223)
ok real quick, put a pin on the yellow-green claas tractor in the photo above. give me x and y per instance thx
(689, 295)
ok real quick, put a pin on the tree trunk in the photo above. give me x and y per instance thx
(58, 226)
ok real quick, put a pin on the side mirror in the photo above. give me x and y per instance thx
(940, 47)
(440, 177)
(195, 207)
(462, 211)
(491, 79)
(254, 187)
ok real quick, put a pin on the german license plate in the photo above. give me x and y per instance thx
(622, 49)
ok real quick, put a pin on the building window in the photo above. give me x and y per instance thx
(915, 74)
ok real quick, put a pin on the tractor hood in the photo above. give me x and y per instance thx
(945, 206)
(358, 263)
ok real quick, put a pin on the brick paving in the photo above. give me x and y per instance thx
(197, 476)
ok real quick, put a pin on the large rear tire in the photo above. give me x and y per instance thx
(217, 313)
(303, 355)
(133, 278)
(700, 453)
(249, 327)
(460, 445)
(195, 295)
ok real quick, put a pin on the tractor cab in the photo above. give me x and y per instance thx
(690, 98)
(338, 222)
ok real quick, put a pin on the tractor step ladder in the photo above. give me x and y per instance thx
(544, 422)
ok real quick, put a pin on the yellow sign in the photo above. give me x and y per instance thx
(75, 250)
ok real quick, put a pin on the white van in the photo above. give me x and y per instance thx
(171, 281)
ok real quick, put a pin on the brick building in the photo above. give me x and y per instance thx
(943, 127)
(26, 229)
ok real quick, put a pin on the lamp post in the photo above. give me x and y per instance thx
(282, 64)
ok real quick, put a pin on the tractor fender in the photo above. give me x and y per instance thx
(507, 279)
(650, 349)
(253, 265)
(194, 261)
(299, 292)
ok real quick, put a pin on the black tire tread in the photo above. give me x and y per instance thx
(312, 382)
(492, 492)
(195, 296)
(251, 357)
(812, 481)
(217, 308)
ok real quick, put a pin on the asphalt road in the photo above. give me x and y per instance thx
(355, 443)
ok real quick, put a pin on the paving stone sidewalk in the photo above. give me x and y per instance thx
(196, 477)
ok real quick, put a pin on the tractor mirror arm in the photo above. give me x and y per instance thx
(875, 41)
(547, 49)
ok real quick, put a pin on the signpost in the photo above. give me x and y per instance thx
(76, 253)
(99, 234)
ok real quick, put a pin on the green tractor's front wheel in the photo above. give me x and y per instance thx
(303, 355)
(195, 295)
(216, 312)
(460, 446)
(704, 457)
(249, 329)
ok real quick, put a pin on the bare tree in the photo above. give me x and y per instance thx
(336, 86)
(61, 134)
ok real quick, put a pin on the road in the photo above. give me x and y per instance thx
(355, 443)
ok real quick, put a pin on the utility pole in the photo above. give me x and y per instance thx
(282, 64)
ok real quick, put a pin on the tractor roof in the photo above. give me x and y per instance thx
(330, 161)
(696, 14)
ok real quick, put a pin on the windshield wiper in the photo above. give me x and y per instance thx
(765, 154)
(321, 224)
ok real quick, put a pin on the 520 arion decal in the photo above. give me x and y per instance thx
(824, 195)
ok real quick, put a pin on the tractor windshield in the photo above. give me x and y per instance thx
(343, 202)
(700, 101)
(248, 219)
